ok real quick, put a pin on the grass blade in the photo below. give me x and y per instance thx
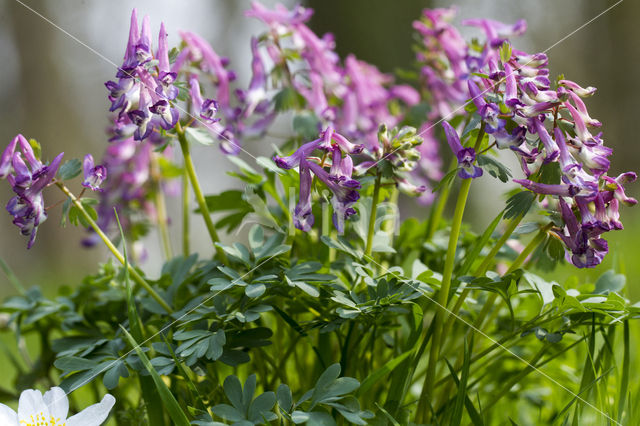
(169, 401)
(154, 410)
(387, 368)
(624, 382)
(478, 246)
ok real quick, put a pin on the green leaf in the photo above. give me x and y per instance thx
(494, 168)
(284, 397)
(519, 204)
(306, 125)
(550, 173)
(70, 169)
(37, 149)
(473, 254)
(287, 99)
(446, 180)
(387, 368)
(505, 52)
(198, 136)
(609, 282)
(342, 244)
(254, 290)
(261, 407)
(170, 403)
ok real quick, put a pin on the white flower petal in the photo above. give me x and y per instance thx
(93, 415)
(31, 406)
(8, 416)
(57, 402)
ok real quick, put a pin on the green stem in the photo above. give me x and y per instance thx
(522, 257)
(161, 211)
(186, 210)
(195, 184)
(516, 379)
(372, 216)
(15, 282)
(136, 276)
(482, 269)
(438, 208)
(443, 294)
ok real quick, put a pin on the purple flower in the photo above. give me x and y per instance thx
(94, 175)
(586, 248)
(615, 188)
(497, 32)
(344, 195)
(28, 180)
(550, 146)
(577, 89)
(466, 156)
(339, 179)
(303, 218)
(257, 87)
(564, 190)
(165, 76)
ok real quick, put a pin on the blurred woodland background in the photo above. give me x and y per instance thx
(51, 89)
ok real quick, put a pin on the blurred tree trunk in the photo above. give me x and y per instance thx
(377, 31)
(43, 110)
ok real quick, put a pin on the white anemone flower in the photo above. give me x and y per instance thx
(34, 409)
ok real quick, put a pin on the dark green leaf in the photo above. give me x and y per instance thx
(494, 167)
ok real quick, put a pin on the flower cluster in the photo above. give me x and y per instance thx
(28, 177)
(338, 179)
(353, 98)
(144, 92)
(447, 63)
(543, 125)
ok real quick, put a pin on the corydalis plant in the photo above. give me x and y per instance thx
(509, 91)
(368, 312)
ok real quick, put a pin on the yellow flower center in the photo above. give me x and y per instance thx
(41, 420)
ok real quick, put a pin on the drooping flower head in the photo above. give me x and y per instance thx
(338, 179)
(466, 156)
(28, 177)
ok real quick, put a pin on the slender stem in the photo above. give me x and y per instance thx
(15, 282)
(372, 216)
(438, 208)
(443, 299)
(195, 184)
(522, 257)
(482, 269)
(161, 210)
(390, 225)
(186, 210)
(443, 294)
(136, 276)
(516, 379)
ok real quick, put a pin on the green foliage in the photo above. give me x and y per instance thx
(70, 169)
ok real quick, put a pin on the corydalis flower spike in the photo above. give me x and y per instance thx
(465, 156)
